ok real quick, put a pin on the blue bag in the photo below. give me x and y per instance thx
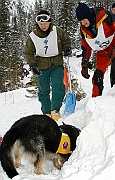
(70, 96)
(70, 104)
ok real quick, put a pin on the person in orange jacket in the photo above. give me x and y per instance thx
(97, 27)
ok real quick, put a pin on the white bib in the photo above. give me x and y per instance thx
(100, 42)
(46, 47)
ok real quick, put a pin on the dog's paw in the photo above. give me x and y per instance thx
(39, 171)
(18, 164)
(56, 163)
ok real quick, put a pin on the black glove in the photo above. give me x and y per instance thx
(67, 51)
(86, 64)
(85, 73)
(34, 69)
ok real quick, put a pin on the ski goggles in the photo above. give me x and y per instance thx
(43, 18)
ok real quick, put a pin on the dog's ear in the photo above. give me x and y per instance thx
(62, 127)
(63, 123)
(72, 132)
(79, 130)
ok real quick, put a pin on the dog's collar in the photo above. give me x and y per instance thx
(64, 146)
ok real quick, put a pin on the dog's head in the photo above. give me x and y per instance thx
(72, 132)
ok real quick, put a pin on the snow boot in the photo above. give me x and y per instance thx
(55, 115)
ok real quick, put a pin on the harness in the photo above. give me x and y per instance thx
(64, 146)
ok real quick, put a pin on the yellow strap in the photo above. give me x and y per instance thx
(102, 19)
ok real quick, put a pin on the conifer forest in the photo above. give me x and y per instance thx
(17, 20)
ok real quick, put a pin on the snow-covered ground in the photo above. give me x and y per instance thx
(94, 156)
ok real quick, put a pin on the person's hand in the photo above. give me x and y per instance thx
(34, 69)
(85, 73)
(67, 51)
(85, 66)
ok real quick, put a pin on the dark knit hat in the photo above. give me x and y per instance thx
(113, 5)
(44, 12)
(83, 12)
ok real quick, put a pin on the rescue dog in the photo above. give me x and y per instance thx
(39, 137)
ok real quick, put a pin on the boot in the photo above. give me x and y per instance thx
(55, 115)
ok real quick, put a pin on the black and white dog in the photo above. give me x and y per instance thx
(39, 137)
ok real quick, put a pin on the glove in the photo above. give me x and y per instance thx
(67, 51)
(86, 64)
(34, 69)
(84, 71)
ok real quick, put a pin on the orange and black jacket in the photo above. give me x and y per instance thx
(101, 15)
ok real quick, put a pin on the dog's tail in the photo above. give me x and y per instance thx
(0, 152)
(5, 150)
(0, 146)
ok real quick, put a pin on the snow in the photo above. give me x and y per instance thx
(94, 156)
(31, 1)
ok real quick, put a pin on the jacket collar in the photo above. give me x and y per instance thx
(100, 16)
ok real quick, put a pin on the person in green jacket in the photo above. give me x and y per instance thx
(44, 53)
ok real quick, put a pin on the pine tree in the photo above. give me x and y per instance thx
(21, 19)
(4, 42)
